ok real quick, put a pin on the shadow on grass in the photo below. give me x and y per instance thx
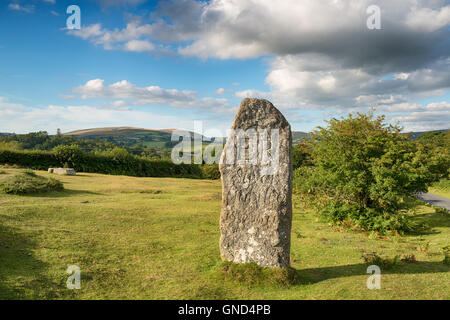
(430, 220)
(22, 275)
(61, 194)
(315, 275)
(79, 174)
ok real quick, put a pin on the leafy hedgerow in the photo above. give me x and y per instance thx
(116, 162)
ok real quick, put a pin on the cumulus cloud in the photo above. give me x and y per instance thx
(319, 81)
(109, 3)
(321, 55)
(424, 121)
(139, 46)
(18, 7)
(19, 118)
(126, 93)
(129, 38)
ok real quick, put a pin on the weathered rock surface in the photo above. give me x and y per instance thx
(68, 171)
(256, 216)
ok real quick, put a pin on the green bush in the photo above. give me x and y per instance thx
(28, 182)
(367, 218)
(384, 263)
(366, 171)
(68, 156)
(210, 171)
(306, 181)
(446, 253)
(301, 155)
(440, 210)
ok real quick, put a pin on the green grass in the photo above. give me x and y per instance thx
(441, 188)
(157, 238)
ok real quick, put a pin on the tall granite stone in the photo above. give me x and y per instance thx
(256, 216)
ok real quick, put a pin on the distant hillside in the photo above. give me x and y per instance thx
(131, 136)
(119, 131)
(128, 136)
(298, 136)
(415, 135)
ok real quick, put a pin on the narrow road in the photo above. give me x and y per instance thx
(435, 200)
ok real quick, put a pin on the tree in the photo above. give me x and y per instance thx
(69, 156)
(301, 155)
(367, 169)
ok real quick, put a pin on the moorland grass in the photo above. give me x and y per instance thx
(27, 182)
(441, 188)
(158, 238)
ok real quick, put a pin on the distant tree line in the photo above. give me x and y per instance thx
(41, 140)
(116, 162)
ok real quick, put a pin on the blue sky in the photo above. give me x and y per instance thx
(164, 64)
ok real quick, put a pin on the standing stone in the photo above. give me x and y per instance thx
(256, 216)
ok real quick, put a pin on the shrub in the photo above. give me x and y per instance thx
(408, 258)
(367, 219)
(440, 210)
(210, 171)
(301, 155)
(446, 253)
(383, 262)
(28, 182)
(365, 170)
(68, 156)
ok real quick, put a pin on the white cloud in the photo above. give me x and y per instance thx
(252, 94)
(18, 7)
(401, 76)
(424, 121)
(108, 3)
(151, 95)
(139, 46)
(428, 19)
(88, 32)
(22, 119)
(321, 55)
(220, 91)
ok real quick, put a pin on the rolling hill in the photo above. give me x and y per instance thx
(132, 136)
(127, 136)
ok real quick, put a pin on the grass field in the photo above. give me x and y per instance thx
(154, 238)
(441, 188)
